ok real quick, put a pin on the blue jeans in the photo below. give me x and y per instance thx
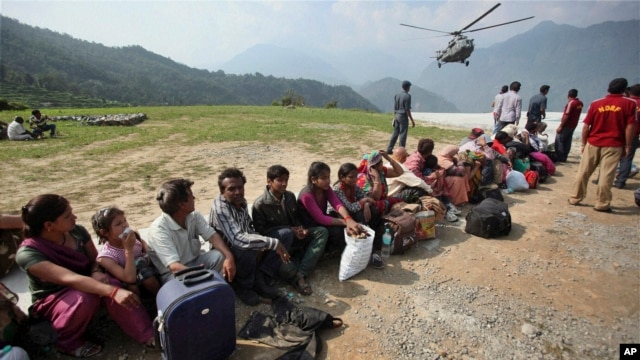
(624, 168)
(563, 143)
(400, 128)
(47, 127)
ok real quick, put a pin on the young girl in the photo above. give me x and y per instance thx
(352, 196)
(362, 208)
(313, 200)
(123, 255)
(66, 284)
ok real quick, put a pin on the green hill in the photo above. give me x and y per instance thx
(41, 68)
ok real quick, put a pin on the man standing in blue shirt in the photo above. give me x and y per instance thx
(538, 105)
(401, 117)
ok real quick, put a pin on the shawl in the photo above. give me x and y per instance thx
(369, 161)
(446, 156)
(63, 256)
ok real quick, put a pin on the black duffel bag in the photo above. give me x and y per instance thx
(490, 218)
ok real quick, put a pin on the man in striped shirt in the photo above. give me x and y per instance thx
(255, 255)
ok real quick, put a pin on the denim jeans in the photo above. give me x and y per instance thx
(563, 143)
(625, 165)
(400, 128)
(47, 127)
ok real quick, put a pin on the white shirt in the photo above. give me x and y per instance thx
(170, 242)
(15, 129)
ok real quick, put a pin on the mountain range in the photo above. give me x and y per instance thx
(561, 56)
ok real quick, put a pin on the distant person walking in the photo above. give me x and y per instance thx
(494, 105)
(509, 108)
(538, 105)
(401, 117)
(626, 162)
(607, 135)
(568, 124)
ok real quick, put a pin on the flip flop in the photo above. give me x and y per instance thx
(88, 349)
(302, 289)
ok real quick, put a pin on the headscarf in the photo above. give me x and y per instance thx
(446, 156)
(368, 161)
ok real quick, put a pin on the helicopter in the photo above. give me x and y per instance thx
(460, 47)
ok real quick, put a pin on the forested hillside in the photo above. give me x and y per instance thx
(43, 62)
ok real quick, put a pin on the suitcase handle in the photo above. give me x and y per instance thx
(196, 277)
(189, 269)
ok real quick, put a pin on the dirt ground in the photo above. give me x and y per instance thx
(569, 271)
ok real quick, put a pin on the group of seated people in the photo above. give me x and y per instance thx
(15, 130)
(283, 237)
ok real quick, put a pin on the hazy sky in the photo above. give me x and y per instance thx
(206, 33)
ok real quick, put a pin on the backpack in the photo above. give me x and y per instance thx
(543, 174)
(490, 218)
(532, 178)
(402, 227)
(9, 242)
(18, 329)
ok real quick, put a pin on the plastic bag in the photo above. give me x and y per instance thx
(356, 254)
(516, 181)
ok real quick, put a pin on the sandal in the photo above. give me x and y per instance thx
(88, 349)
(304, 289)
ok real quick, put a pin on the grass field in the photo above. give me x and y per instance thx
(212, 124)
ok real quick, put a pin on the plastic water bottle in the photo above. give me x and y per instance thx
(386, 244)
(508, 191)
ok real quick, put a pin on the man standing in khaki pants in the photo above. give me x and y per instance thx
(606, 137)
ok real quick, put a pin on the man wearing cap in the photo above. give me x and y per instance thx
(475, 132)
(16, 130)
(509, 108)
(607, 135)
(402, 115)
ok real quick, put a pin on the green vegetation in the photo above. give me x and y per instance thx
(45, 69)
(213, 124)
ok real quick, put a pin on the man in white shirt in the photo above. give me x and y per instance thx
(509, 108)
(16, 130)
(494, 105)
(174, 237)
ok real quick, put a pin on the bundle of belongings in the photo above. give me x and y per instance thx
(290, 327)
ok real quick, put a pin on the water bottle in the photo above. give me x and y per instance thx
(508, 191)
(386, 244)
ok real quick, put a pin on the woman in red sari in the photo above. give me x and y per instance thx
(372, 179)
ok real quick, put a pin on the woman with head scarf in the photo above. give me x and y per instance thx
(372, 178)
(457, 174)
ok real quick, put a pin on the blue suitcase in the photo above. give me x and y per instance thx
(196, 316)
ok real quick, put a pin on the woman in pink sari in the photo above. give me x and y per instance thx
(67, 285)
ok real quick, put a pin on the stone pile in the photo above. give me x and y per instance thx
(105, 120)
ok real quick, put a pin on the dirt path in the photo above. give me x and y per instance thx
(565, 283)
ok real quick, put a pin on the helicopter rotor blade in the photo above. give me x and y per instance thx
(478, 19)
(492, 26)
(421, 28)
